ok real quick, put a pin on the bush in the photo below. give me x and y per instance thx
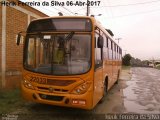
(126, 60)
(158, 66)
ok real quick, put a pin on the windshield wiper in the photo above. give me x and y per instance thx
(69, 36)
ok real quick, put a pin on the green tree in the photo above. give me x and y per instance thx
(126, 59)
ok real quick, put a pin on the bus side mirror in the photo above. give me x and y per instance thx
(100, 42)
(18, 38)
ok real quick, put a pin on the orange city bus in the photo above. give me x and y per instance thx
(68, 61)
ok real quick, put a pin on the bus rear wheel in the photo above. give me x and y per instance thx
(117, 77)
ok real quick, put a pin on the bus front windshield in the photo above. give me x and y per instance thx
(58, 54)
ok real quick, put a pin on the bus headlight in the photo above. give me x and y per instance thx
(27, 84)
(81, 88)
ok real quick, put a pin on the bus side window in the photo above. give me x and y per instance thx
(111, 45)
(117, 53)
(110, 48)
(105, 48)
(98, 53)
(115, 46)
(107, 42)
(120, 52)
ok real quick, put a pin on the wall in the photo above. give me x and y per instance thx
(17, 19)
(14, 53)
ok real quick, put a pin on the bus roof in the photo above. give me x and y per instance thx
(65, 17)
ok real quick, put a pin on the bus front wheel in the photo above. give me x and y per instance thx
(104, 91)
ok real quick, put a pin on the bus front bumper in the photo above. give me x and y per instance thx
(83, 101)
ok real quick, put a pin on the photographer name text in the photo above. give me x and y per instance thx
(51, 3)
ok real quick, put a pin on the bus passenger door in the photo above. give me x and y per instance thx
(98, 73)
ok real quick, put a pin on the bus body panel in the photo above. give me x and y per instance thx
(87, 97)
(34, 94)
(62, 95)
(98, 86)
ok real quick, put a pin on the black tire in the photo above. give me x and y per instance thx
(117, 78)
(104, 91)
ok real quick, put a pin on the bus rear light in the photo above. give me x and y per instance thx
(78, 102)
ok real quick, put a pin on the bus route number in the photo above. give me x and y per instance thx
(38, 80)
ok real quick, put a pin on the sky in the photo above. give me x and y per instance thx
(135, 22)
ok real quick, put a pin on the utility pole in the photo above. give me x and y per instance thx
(87, 14)
(118, 39)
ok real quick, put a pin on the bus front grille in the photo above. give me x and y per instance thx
(59, 82)
(51, 97)
(49, 89)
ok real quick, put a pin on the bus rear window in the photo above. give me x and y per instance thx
(60, 24)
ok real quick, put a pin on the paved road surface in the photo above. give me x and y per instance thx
(143, 92)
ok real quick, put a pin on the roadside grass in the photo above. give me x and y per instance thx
(10, 100)
(158, 66)
(126, 67)
(126, 73)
